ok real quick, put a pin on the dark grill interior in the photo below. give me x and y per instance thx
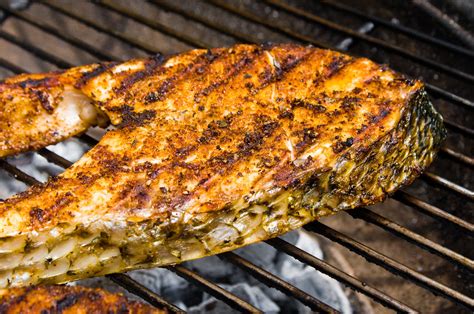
(442, 197)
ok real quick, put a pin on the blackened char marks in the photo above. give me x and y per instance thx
(150, 67)
(87, 76)
(66, 302)
(308, 136)
(342, 145)
(130, 118)
(10, 302)
(214, 129)
(234, 70)
(44, 82)
(337, 63)
(44, 99)
(286, 65)
(37, 215)
(301, 103)
(199, 65)
(252, 142)
(384, 110)
(349, 103)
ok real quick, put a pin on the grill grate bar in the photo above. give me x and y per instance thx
(110, 31)
(432, 211)
(367, 38)
(457, 156)
(154, 24)
(455, 99)
(339, 275)
(218, 292)
(255, 19)
(11, 67)
(389, 264)
(17, 173)
(404, 233)
(77, 42)
(146, 294)
(449, 185)
(60, 63)
(213, 289)
(242, 37)
(459, 128)
(275, 282)
(400, 28)
(456, 29)
(55, 158)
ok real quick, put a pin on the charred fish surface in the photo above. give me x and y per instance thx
(213, 150)
(68, 299)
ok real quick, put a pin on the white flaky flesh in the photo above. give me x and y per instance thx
(31, 122)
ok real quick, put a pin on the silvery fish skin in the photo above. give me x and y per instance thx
(212, 150)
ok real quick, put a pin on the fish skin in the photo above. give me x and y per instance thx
(199, 132)
(68, 299)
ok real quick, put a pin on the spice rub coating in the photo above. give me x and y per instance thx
(200, 130)
(68, 299)
(216, 133)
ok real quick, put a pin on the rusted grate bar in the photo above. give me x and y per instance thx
(60, 63)
(459, 128)
(445, 183)
(458, 156)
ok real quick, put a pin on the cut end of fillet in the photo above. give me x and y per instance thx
(31, 119)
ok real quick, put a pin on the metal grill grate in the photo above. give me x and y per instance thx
(368, 215)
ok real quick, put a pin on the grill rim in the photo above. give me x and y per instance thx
(18, 174)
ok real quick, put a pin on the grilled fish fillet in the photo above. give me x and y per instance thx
(66, 299)
(213, 150)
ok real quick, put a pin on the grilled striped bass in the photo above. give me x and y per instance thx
(68, 300)
(213, 150)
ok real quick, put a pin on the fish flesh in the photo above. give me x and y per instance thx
(68, 299)
(209, 150)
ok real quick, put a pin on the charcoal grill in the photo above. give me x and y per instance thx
(330, 17)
